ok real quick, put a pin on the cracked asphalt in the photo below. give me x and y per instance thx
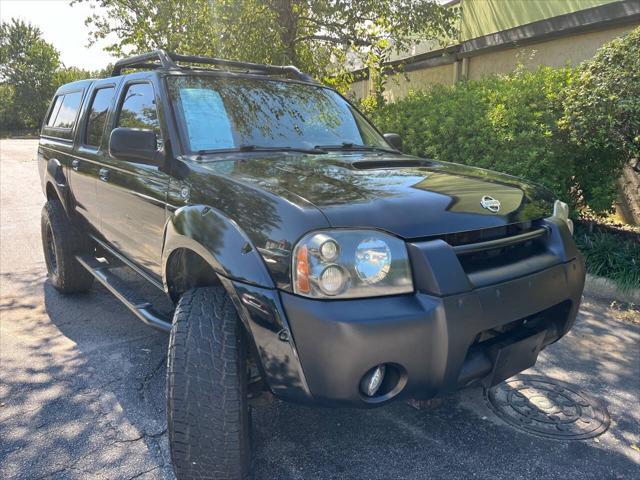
(82, 390)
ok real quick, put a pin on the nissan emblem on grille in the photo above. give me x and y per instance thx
(490, 204)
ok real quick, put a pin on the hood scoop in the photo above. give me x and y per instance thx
(389, 163)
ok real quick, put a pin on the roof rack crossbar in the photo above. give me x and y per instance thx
(141, 61)
(273, 69)
(168, 62)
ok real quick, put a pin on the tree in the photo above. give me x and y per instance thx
(602, 108)
(71, 74)
(138, 26)
(27, 67)
(323, 37)
(602, 115)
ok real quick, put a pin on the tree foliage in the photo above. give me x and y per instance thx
(138, 26)
(602, 108)
(323, 37)
(30, 73)
(27, 68)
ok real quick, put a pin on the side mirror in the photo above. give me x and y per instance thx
(135, 145)
(394, 140)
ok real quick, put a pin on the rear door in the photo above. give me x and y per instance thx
(133, 195)
(58, 133)
(91, 151)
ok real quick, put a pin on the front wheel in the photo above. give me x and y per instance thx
(208, 415)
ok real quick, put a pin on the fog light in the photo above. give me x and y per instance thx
(371, 382)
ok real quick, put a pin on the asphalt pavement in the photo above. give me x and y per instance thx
(82, 390)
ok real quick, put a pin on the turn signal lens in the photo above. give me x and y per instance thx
(302, 270)
(561, 211)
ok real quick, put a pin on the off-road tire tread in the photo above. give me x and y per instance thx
(71, 277)
(207, 408)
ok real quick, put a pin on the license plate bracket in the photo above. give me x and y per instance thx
(510, 358)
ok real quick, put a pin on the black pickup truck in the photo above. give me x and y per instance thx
(308, 257)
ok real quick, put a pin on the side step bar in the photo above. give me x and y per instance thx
(143, 310)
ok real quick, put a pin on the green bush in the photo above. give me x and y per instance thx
(602, 106)
(517, 124)
(610, 255)
(505, 123)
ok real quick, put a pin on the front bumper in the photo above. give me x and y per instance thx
(435, 342)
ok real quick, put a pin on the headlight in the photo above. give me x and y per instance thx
(350, 264)
(561, 211)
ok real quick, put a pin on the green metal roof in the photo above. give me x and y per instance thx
(483, 17)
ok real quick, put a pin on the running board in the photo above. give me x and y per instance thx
(141, 309)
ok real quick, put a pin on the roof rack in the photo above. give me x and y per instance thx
(168, 62)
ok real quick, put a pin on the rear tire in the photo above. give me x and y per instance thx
(207, 411)
(61, 242)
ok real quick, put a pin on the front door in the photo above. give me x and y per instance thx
(132, 195)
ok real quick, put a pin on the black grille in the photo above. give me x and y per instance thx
(500, 257)
(486, 234)
(497, 247)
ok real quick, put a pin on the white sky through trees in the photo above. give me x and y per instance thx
(63, 26)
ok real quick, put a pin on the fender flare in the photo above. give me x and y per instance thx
(54, 176)
(243, 273)
(219, 241)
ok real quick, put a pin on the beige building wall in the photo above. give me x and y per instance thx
(557, 52)
(359, 89)
(401, 85)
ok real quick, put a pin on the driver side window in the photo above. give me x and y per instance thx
(139, 109)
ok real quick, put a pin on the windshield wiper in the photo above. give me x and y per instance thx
(258, 148)
(348, 146)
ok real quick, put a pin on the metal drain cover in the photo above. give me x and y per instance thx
(548, 408)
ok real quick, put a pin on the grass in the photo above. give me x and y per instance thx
(611, 256)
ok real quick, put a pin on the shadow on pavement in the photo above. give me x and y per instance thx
(88, 401)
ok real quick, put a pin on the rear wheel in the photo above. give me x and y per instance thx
(61, 242)
(208, 416)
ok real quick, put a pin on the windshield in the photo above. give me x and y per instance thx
(222, 113)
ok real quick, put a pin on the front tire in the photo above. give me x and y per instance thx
(61, 242)
(207, 411)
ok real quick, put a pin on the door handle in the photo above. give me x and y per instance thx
(104, 174)
(75, 165)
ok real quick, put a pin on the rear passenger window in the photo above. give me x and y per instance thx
(68, 111)
(54, 110)
(98, 116)
(139, 108)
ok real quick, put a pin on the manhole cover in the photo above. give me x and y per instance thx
(548, 408)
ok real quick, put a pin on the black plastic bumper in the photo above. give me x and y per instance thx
(429, 337)
(436, 343)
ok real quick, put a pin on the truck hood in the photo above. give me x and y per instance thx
(407, 196)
